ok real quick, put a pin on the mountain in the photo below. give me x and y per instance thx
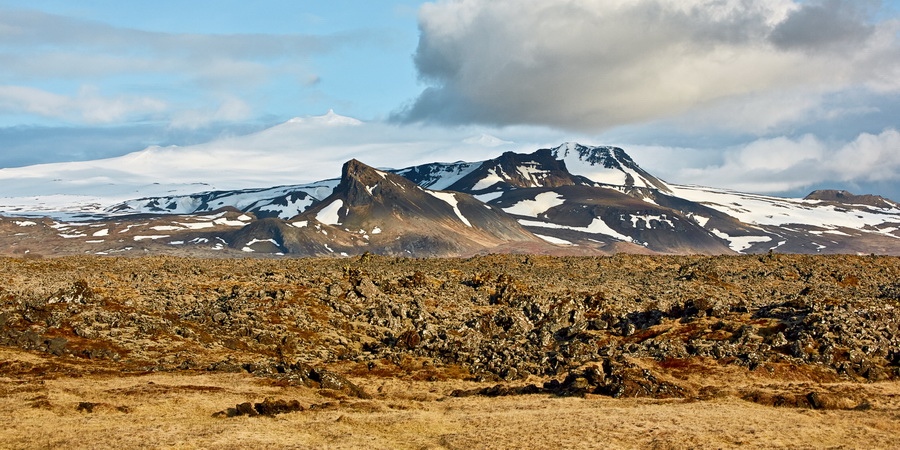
(569, 199)
(849, 199)
(280, 201)
(381, 212)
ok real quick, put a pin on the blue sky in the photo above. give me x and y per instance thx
(777, 96)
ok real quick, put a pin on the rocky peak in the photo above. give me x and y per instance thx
(360, 183)
(849, 198)
(354, 169)
(517, 170)
(607, 165)
(606, 156)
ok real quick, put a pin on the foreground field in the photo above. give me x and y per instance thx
(488, 352)
(175, 410)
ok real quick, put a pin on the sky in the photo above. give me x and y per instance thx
(768, 96)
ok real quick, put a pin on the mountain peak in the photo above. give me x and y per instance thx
(329, 118)
(606, 165)
(359, 182)
(354, 168)
(606, 156)
(845, 197)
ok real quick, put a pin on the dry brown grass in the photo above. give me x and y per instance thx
(39, 406)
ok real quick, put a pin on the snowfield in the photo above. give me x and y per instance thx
(539, 205)
(597, 226)
(758, 209)
(329, 214)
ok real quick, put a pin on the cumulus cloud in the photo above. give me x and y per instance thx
(595, 64)
(780, 165)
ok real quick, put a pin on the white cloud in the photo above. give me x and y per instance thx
(314, 148)
(87, 106)
(39, 50)
(781, 164)
(596, 64)
(231, 109)
(869, 158)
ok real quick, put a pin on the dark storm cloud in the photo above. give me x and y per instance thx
(824, 25)
(591, 65)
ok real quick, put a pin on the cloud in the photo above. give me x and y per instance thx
(824, 25)
(27, 145)
(231, 109)
(88, 106)
(595, 64)
(782, 165)
(312, 148)
(43, 55)
(38, 30)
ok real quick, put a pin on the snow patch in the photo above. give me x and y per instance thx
(488, 197)
(165, 228)
(72, 236)
(767, 210)
(492, 178)
(740, 243)
(329, 214)
(597, 226)
(450, 199)
(256, 241)
(291, 209)
(648, 220)
(531, 173)
(197, 225)
(229, 223)
(554, 240)
(152, 238)
(533, 208)
(702, 221)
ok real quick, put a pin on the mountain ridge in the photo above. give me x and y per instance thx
(568, 199)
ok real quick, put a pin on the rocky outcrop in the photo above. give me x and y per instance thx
(849, 198)
(635, 320)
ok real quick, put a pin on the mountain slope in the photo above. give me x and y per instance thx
(540, 190)
(282, 201)
(587, 215)
(571, 199)
(607, 165)
(372, 210)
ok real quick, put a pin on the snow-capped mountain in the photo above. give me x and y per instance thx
(381, 212)
(606, 165)
(280, 201)
(568, 199)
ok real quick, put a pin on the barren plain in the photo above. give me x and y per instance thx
(625, 351)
